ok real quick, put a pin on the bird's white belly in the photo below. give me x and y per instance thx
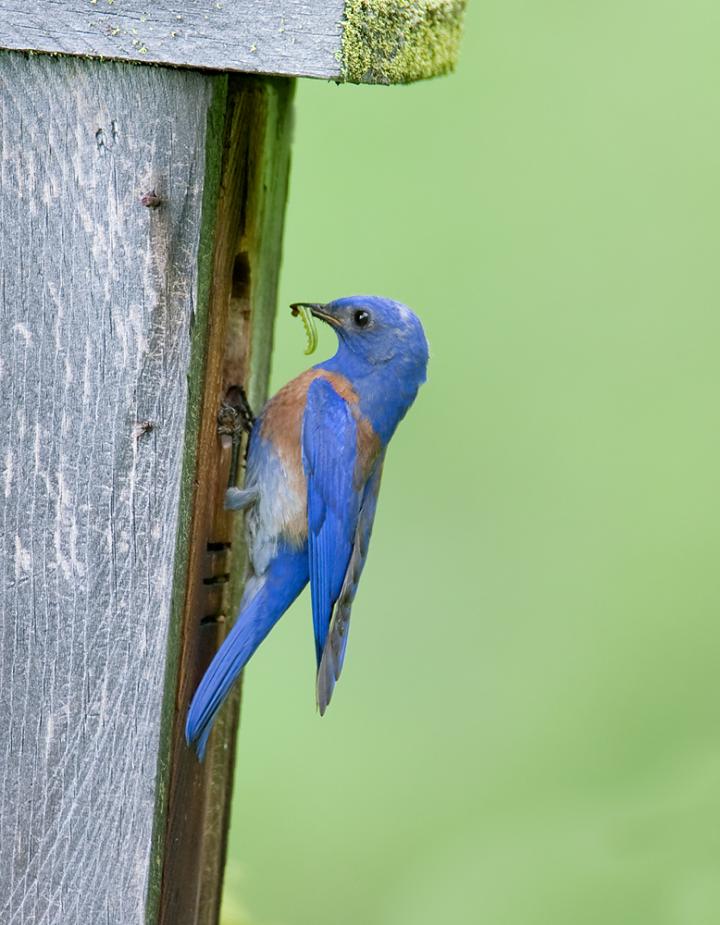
(280, 513)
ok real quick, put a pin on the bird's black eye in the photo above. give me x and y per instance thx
(361, 318)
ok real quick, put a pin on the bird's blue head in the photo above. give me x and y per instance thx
(374, 332)
(381, 344)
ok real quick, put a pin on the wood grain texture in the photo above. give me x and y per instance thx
(242, 297)
(293, 37)
(359, 41)
(98, 295)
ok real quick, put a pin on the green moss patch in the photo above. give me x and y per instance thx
(398, 41)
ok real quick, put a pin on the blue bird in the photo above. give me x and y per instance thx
(315, 459)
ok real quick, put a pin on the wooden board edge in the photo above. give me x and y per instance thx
(246, 177)
(196, 387)
(378, 42)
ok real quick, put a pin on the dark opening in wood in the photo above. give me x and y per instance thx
(240, 277)
(212, 619)
(218, 547)
(217, 579)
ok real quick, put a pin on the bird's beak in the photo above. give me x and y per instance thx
(318, 310)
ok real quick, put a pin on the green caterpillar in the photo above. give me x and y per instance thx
(310, 327)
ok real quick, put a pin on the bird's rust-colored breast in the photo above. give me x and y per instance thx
(282, 426)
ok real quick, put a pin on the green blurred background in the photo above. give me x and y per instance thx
(526, 732)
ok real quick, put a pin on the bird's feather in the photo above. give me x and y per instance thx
(334, 651)
(265, 600)
(329, 455)
(238, 499)
(313, 472)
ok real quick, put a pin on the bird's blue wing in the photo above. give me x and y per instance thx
(334, 652)
(329, 455)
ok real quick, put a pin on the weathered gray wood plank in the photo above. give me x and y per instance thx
(192, 829)
(259, 36)
(97, 299)
(369, 41)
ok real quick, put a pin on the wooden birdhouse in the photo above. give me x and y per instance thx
(144, 150)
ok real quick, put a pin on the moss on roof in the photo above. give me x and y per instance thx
(398, 41)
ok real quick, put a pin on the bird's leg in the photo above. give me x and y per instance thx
(235, 418)
(237, 499)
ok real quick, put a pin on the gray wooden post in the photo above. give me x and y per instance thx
(141, 214)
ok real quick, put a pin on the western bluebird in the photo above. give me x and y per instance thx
(314, 464)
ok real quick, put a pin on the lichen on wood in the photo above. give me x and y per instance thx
(398, 41)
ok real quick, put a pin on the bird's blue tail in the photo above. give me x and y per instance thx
(264, 602)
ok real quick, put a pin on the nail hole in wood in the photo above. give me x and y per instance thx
(151, 200)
